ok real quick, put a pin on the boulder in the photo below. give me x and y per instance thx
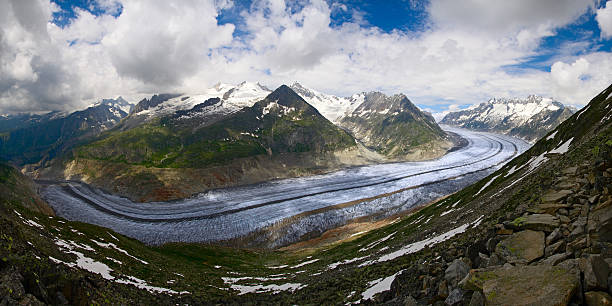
(554, 236)
(600, 223)
(455, 297)
(556, 259)
(477, 299)
(596, 272)
(597, 298)
(555, 196)
(541, 222)
(410, 301)
(455, 272)
(529, 285)
(554, 248)
(522, 247)
(551, 208)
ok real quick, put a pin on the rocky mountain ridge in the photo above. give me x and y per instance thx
(393, 126)
(529, 118)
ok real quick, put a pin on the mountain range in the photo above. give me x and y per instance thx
(529, 118)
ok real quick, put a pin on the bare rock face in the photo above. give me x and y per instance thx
(522, 247)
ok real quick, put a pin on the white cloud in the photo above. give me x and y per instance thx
(604, 19)
(156, 46)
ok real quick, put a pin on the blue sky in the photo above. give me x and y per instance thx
(441, 53)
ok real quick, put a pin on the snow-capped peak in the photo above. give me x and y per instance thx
(331, 107)
(118, 103)
(233, 98)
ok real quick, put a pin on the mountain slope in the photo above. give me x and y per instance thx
(396, 128)
(190, 151)
(37, 143)
(529, 118)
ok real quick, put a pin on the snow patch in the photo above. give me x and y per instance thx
(113, 246)
(305, 263)
(487, 185)
(344, 262)
(551, 136)
(378, 286)
(419, 245)
(564, 147)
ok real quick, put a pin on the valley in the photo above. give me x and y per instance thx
(281, 212)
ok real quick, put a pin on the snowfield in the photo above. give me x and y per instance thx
(233, 212)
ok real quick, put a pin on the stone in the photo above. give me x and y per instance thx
(570, 171)
(455, 272)
(555, 196)
(483, 260)
(578, 226)
(541, 222)
(455, 297)
(576, 245)
(551, 208)
(564, 219)
(528, 285)
(556, 259)
(443, 289)
(600, 222)
(597, 298)
(596, 273)
(594, 199)
(473, 250)
(495, 260)
(410, 301)
(554, 236)
(522, 247)
(491, 243)
(477, 299)
(554, 248)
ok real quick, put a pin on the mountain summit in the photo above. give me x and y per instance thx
(395, 127)
(529, 118)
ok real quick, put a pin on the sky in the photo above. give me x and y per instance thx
(443, 54)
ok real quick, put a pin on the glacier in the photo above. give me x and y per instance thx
(298, 205)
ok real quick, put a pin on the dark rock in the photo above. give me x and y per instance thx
(576, 245)
(554, 248)
(491, 243)
(554, 236)
(410, 301)
(456, 272)
(443, 289)
(455, 297)
(600, 223)
(477, 299)
(556, 259)
(596, 272)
